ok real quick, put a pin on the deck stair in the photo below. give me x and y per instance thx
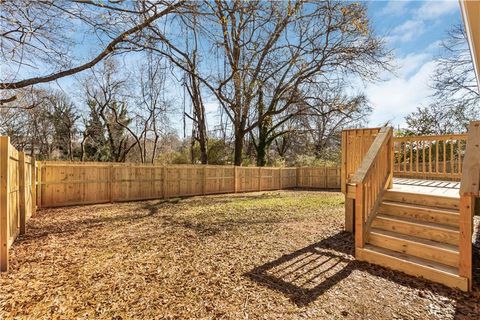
(410, 201)
(417, 234)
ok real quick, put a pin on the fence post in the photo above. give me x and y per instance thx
(110, 183)
(39, 184)
(327, 185)
(4, 203)
(298, 178)
(259, 178)
(280, 178)
(235, 178)
(164, 182)
(33, 185)
(204, 179)
(21, 191)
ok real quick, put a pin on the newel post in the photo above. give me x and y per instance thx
(359, 218)
(467, 207)
(391, 159)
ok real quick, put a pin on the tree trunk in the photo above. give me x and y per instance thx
(237, 160)
(261, 145)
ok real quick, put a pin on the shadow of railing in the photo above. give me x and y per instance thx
(306, 274)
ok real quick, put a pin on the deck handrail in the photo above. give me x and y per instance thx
(372, 178)
(469, 191)
(456, 136)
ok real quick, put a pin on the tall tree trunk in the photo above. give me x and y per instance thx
(237, 160)
(202, 141)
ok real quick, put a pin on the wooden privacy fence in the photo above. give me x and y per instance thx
(26, 185)
(17, 196)
(70, 183)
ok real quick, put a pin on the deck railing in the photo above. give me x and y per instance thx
(427, 157)
(469, 192)
(372, 178)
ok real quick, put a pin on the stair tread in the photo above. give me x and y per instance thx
(417, 222)
(431, 243)
(431, 200)
(422, 207)
(414, 260)
(419, 193)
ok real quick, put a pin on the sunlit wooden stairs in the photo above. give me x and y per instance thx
(417, 234)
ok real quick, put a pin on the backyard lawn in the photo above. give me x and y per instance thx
(264, 255)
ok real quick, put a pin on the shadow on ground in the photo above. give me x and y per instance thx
(306, 274)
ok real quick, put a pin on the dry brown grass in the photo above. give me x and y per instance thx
(273, 255)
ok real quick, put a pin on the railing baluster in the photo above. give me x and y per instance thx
(452, 160)
(423, 157)
(430, 157)
(444, 157)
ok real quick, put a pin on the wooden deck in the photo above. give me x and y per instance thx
(432, 187)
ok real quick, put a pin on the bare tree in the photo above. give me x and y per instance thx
(106, 91)
(36, 32)
(454, 79)
(151, 112)
(274, 49)
(456, 99)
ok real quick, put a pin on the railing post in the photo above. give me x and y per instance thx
(391, 158)
(359, 215)
(343, 171)
(21, 191)
(349, 214)
(467, 207)
(4, 202)
(469, 191)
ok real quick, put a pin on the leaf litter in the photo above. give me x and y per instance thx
(263, 255)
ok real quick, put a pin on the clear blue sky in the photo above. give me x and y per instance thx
(413, 30)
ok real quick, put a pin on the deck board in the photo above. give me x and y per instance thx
(433, 187)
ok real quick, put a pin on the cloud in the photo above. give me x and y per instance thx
(421, 18)
(407, 31)
(394, 7)
(435, 9)
(396, 97)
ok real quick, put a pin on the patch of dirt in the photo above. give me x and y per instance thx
(271, 255)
